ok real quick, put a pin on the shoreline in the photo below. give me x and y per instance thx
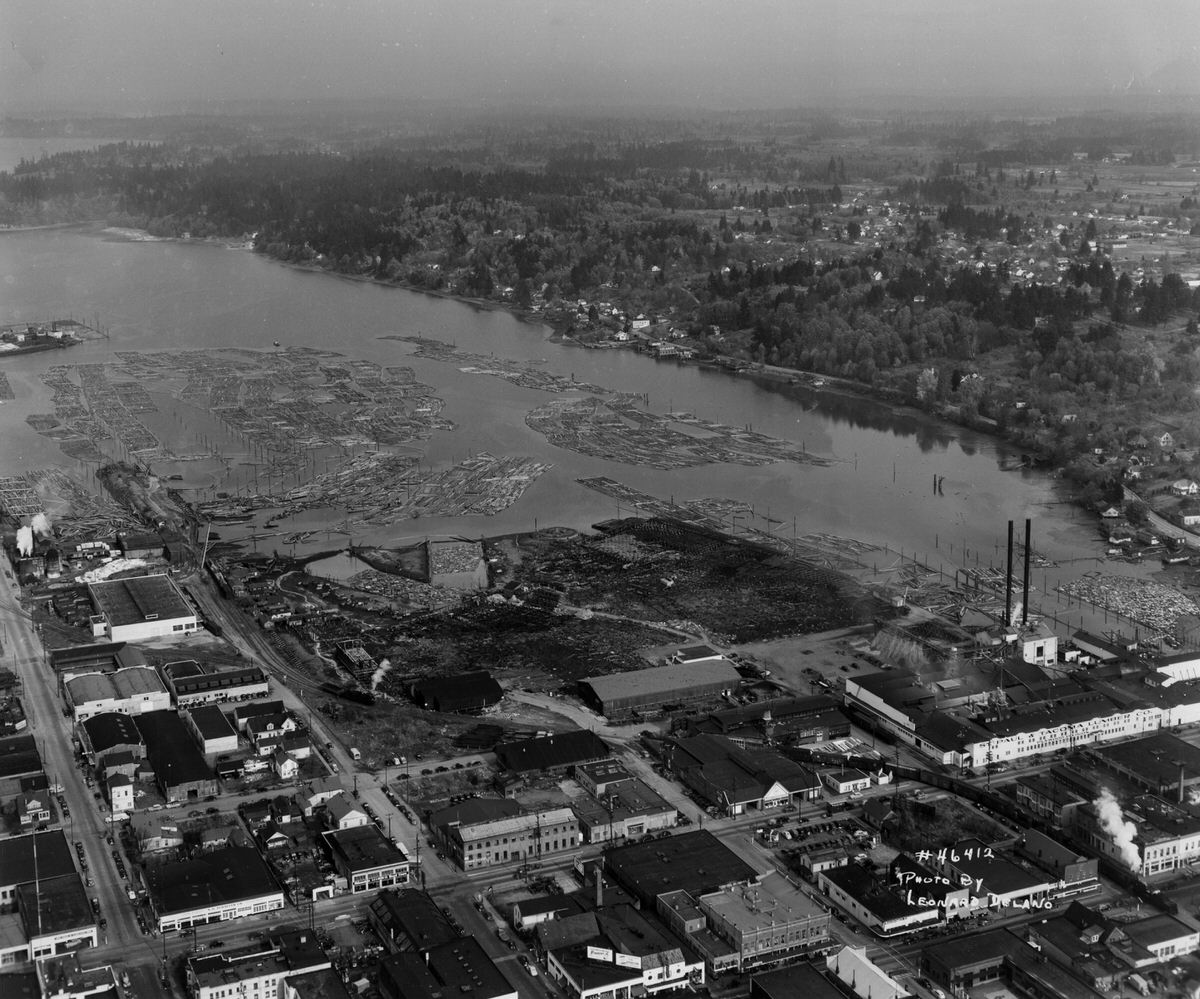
(558, 332)
(4, 229)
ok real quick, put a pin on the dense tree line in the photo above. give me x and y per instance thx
(632, 223)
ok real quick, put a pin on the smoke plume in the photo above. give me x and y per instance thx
(24, 541)
(1121, 831)
(40, 525)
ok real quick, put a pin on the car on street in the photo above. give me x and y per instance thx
(529, 966)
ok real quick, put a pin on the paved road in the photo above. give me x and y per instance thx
(52, 731)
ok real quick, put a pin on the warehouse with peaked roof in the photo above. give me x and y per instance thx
(467, 693)
(128, 691)
(104, 657)
(110, 733)
(617, 695)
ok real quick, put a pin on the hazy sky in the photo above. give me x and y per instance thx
(736, 53)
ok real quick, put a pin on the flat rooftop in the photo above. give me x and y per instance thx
(19, 756)
(974, 949)
(292, 952)
(625, 800)
(1158, 929)
(172, 753)
(211, 723)
(1156, 759)
(603, 771)
(364, 848)
(790, 983)
(998, 874)
(772, 901)
(515, 824)
(54, 905)
(229, 874)
(139, 599)
(54, 857)
(695, 862)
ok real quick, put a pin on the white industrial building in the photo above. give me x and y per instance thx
(141, 608)
(211, 729)
(224, 884)
(128, 691)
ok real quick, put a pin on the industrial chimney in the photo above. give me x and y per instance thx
(1008, 580)
(599, 887)
(1025, 590)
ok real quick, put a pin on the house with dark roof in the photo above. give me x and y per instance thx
(242, 713)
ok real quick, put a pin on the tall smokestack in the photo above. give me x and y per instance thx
(599, 887)
(1181, 782)
(1025, 590)
(1008, 580)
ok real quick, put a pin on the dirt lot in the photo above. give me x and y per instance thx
(519, 641)
(657, 570)
(385, 730)
(826, 652)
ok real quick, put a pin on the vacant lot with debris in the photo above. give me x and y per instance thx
(659, 570)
